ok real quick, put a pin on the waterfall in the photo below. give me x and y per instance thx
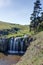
(21, 43)
(16, 45)
(10, 45)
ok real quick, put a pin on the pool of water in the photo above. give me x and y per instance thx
(9, 60)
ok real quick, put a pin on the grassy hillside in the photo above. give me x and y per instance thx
(34, 53)
(23, 29)
(4, 25)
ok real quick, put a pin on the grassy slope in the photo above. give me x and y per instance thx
(4, 25)
(24, 29)
(34, 53)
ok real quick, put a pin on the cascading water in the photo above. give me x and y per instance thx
(10, 45)
(16, 45)
(21, 43)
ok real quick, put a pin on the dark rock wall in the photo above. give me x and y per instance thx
(3, 45)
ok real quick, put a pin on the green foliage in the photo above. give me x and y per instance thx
(12, 29)
(36, 20)
(40, 27)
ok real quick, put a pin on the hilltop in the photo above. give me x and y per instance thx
(34, 53)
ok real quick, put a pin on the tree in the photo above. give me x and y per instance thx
(35, 15)
(42, 16)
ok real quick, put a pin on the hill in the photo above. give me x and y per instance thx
(4, 25)
(34, 53)
(9, 30)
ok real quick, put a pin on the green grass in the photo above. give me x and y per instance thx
(24, 29)
(4, 25)
(34, 53)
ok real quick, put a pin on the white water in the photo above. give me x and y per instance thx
(14, 45)
(11, 44)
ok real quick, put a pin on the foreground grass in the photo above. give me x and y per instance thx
(34, 53)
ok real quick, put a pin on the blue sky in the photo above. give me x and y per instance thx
(16, 11)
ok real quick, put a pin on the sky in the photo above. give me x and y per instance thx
(17, 11)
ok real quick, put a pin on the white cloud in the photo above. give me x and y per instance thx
(4, 3)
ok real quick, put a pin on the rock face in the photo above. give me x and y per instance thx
(3, 45)
(14, 45)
